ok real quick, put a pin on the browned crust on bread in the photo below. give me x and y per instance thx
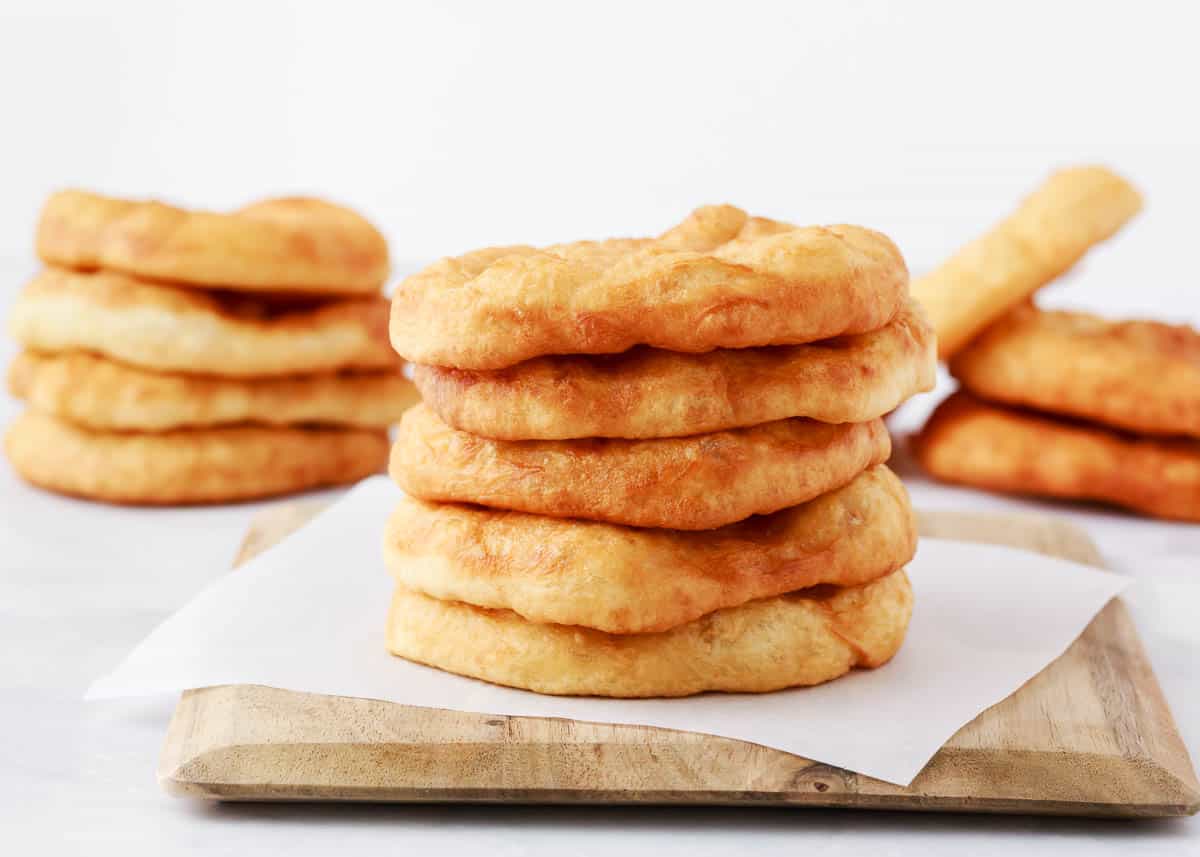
(687, 483)
(971, 442)
(646, 393)
(294, 244)
(1141, 376)
(719, 280)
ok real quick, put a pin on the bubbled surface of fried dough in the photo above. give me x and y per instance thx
(647, 393)
(294, 244)
(172, 329)
(802, 638)
(189, 466)
(721, 279)
(974, 443)
(1141, 376)
(688, 483)
(627, 580)
(100, 394)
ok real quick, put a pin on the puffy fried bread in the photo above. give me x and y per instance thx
(971, 442)
(646, 392)
(96, 393)
(721, 279)
(173, 329)
(686, 483)
(1141, 376)
(626, 580)
(1047, 234)
(802, 638)
(214, 465)
(295, 244)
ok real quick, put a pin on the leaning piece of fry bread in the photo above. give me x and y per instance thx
(1045, 236)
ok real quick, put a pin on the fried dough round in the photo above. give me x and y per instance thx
(647, 393)
(686, 483)
(1142, 376)
(1049, 232)
(988, 446)
(188, 466)
(630, 581)
(171, 329)
(290, 245)
(802, 638)
(99, 394)
(718, 280)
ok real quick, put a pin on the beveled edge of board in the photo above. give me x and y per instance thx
(198, 764)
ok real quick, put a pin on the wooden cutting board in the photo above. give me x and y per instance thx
(1090, 735)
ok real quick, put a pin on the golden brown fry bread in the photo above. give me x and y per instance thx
(802, 638)
(171, 329)
(719, 280)
(647, 393)
(100, 394)
(1142, 376)
(992, 447)
(289, 245)
(190, 466)
(1046, 235)
(625, 580)
(686, 483)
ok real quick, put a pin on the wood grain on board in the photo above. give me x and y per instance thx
(1090, 735)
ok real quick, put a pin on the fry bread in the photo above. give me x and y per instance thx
(1141, 376)
(173, 329)
(647, 393)
(285, 245)
(999, 449)
(1047, 234)
(687, 483)
(625, 580)
(719, 280)
(802, 638)
(99, 394)
(190, 466)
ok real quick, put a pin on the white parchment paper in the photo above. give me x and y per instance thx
(308, 615)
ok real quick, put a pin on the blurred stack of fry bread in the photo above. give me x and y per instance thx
(1058, 403)
(176, 356)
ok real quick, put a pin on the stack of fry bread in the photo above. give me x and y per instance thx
(174, 356)
(1058, 403)
(654, 467)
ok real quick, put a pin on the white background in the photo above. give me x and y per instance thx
(456, 125)
(460, 124)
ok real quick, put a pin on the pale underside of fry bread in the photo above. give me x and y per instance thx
(174, 329)
(802, 638)
(101, 394)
